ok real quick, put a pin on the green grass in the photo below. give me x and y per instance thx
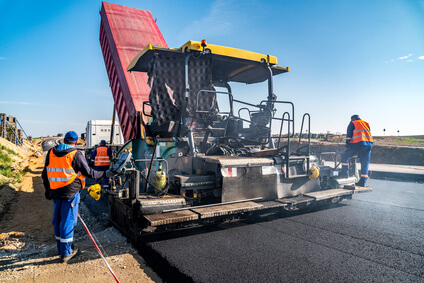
(5, 158)
(410, 140)
(6, 166)
(6, 171)
(20, 176)
(8, 150)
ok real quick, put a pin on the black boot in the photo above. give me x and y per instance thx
(361, 183)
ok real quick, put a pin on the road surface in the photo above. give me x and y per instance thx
(376, 236)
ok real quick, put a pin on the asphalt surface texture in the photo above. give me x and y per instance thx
(375, 237)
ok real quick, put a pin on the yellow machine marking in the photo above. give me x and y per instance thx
(230, 52)
(215, 49)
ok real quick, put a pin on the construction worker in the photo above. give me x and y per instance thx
(101, 158)
(358, 142)
(63, 176)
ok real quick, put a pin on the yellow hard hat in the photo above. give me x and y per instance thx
(94, 191)
(313, 172)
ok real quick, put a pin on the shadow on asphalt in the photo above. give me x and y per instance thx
(169, 273)
(252, 219)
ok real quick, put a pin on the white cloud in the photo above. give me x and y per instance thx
(3, 58)
(16, 102)
(223, 18)
(421, 58)
(28, 103)
(405, 57)
(219, 19)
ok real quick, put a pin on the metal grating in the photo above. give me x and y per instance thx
(171, 217)
(227, 209)
(326, 194)
(296, 200)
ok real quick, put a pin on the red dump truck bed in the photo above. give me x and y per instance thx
(124, 32)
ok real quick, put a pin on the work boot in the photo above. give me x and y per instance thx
(65, 259)
(72, 247)
(361, 183)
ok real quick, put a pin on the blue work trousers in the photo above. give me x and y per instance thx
(364, 153)
(65, 215)
(105, 180)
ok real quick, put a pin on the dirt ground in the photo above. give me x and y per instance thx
(28, 250)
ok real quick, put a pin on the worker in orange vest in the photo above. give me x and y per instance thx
(358, 142)
(101, 158)
(64, 176)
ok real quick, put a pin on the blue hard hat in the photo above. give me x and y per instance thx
(71, 136)
(103, 142)
(355, 117)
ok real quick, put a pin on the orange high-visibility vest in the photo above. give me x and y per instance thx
(60, 172)
(361, 132)
(101, 159)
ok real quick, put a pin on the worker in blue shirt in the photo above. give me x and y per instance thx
(358, 142)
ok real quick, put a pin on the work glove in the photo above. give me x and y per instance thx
(47, 194)
(110, 174)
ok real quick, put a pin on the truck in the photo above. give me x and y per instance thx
(199, 154)
(98, 130)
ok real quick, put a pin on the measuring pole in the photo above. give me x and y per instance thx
(97, 248)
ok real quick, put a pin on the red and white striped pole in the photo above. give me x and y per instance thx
(100, 253)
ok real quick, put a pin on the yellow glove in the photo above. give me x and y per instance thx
(94, 191)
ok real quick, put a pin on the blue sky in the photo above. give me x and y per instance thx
(345, 57)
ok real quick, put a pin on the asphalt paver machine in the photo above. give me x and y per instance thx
(209, 155)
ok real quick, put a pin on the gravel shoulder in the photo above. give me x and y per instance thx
(28, 250)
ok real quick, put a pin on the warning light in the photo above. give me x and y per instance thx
(204, 43)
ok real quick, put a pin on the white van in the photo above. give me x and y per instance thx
(98, 130)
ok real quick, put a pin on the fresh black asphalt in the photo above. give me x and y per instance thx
(375, 237)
